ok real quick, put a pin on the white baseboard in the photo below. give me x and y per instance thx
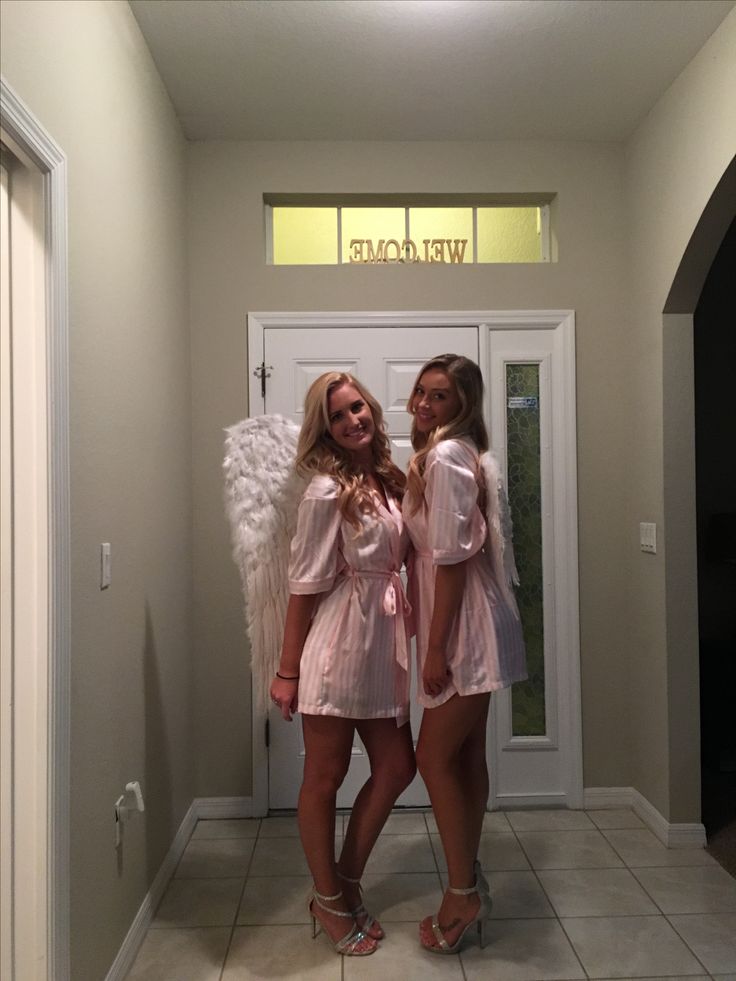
(222, 808)
(201, 808)
(512, 802)
(671, 835)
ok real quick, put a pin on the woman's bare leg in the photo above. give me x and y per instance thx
(327, 744)
(391, 754)
(451, 743)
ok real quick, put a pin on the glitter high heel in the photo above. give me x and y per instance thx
(480, 919)
(349, 944)
(370, 922)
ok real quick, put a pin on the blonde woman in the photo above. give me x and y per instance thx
(469, 639)
(344, 660)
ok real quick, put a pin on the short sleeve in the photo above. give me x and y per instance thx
(315, 547)
(457, 529)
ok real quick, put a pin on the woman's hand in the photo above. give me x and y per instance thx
(436, 674)
(284, 695)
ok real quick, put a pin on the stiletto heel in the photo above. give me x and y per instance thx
(370, 921)
(482, 883)
(347, 945)
(480, 920)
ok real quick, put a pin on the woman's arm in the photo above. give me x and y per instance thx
(298, 619)
(448, 591)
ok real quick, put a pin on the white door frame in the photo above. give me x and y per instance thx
(52, 689)
(561, 320)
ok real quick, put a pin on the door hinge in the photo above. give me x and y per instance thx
(267, 733)
(263, 371)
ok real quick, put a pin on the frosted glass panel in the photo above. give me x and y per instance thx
(304, 236)
(525, 498)
(375, 225)
(443, 223)
(509, 235)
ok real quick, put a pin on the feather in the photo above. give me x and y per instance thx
(262, 494)
(498, 521)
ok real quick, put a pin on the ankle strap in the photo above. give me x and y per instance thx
(327, 899)
(345, 878)
(463, 892)
(317, 897)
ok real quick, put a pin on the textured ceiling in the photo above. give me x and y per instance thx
(421, 69)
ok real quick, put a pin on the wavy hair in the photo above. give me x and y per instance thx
(468, 381)
(317, 451)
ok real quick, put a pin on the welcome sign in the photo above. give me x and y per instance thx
(367, 250)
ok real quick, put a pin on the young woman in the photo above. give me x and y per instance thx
(469, 639)
(344, 660)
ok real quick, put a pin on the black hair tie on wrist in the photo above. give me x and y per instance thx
(284, 677)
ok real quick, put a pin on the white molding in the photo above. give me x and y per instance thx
(512, 802)
(143, 918)
(685, 835)
(605, 798)
(28, 133)
(223, 808)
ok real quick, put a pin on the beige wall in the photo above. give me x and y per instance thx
(673, 163)
(229, 277)
(82, 68)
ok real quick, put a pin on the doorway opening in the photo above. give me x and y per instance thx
(715, 437)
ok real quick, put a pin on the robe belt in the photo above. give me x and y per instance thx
(395, 604)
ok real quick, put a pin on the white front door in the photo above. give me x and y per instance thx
(534, 737)
(386, 360)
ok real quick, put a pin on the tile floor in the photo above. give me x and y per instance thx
(576, 895)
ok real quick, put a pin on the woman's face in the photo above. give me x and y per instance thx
(434, 401)
(351, 420)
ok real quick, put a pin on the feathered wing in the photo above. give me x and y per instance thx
(262, 494)
(498, 519)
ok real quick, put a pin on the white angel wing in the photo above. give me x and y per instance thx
(262, 494)
(498, 519)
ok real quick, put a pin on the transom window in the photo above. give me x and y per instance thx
(358, 232)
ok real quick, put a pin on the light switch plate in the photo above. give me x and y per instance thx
(105, 570)
(648, 536)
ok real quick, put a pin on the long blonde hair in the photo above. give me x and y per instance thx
(317, 451)
(468, 380)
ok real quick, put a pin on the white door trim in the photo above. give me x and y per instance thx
(23, 128)
(559, 320)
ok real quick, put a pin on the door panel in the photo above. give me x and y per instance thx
(386, 360)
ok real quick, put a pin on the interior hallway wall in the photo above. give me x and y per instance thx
(673, 163)
(83, 69)
(229, 277)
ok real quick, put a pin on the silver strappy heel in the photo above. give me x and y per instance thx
(347, 945)
(480, 920)
(360, 910)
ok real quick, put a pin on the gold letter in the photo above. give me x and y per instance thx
(438, 245)
(457, 254)
(397, 257)
(410, 250)
(356, 247)
(376, 256)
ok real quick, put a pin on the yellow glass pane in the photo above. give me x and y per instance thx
(304, 236)
(432, 228)
(509, 235)
(375, 225)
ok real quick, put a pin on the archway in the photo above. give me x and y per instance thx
(679, 454)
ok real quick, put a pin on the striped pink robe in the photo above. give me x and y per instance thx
(485, 651)
(355, 661)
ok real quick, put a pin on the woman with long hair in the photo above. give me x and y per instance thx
(469, 639)
(344, 660)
